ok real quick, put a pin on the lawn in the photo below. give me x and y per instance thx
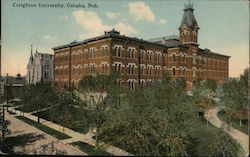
(235, 123)
(90, 150)
(44, 128)
(76, 118)
(204, 136)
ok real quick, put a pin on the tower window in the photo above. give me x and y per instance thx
(174, 59)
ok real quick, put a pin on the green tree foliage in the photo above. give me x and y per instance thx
(223, 145)
(234, 99)
(245, 76)
(95, 90)
(151, 122)
(38, 97)
(203, 92)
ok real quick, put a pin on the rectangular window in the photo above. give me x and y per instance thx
(142, 69)
(142, 54)
(174, 59)
(194, 59)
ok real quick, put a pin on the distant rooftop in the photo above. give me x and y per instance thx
(107, 34)
(164, 38)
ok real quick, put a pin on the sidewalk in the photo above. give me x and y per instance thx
(241, 138)
(76, 136)
(29, 140)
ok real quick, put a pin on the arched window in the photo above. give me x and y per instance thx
(119, 67)
(133, 54)
(194, 59)
(133, 69)
(173, 71)
(132, 82)
(174, 59)
(129, 69)
(194, 72)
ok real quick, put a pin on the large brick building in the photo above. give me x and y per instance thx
(138, 61)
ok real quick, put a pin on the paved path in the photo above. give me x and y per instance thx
(30, 138)
(76, 136)
(243, 139)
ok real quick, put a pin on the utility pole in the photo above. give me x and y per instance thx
(4, 126)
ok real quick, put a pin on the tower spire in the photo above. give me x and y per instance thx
(188, 27)
(31, 52)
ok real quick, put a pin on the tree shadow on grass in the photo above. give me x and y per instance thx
(20, 140)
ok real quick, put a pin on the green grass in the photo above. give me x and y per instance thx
(44, 128)
(235, 123)
(77, 122)
(205, 135)
(90, 150)
(25, 109)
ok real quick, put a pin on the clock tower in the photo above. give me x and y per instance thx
(188, 27)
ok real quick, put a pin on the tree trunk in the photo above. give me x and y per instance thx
(38, 116)
(223, 154)
(97, 137)
(230, 123)
(240, 122)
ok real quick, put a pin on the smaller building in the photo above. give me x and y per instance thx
(11, 85)
(40, 68)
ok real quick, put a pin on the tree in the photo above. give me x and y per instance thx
(65, 107)
(150, 122)
(224, 145)
(245, 77)
(202, 95)
(95, 90)
(38, 97)
(234, 99)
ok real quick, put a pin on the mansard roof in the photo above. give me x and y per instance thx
(110, 34)
(188, 18)
(169, 41)
(208, 52)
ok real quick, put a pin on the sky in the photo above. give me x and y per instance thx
(224, 26)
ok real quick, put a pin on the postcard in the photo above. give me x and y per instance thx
(126, 78)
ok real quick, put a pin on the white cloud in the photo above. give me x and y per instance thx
(163, 21)
(112, 15)
(141, 11)
(94, 26)
(50, 38)
(125, 28)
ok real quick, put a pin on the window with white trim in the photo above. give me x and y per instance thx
(182, 71)
(133, 70)
(174, 72)
(104, 51)
(150, 53)
(142, 54)
(194, 72)
(129, 69)
(142, 69)
(194, 58)
(174, 58)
